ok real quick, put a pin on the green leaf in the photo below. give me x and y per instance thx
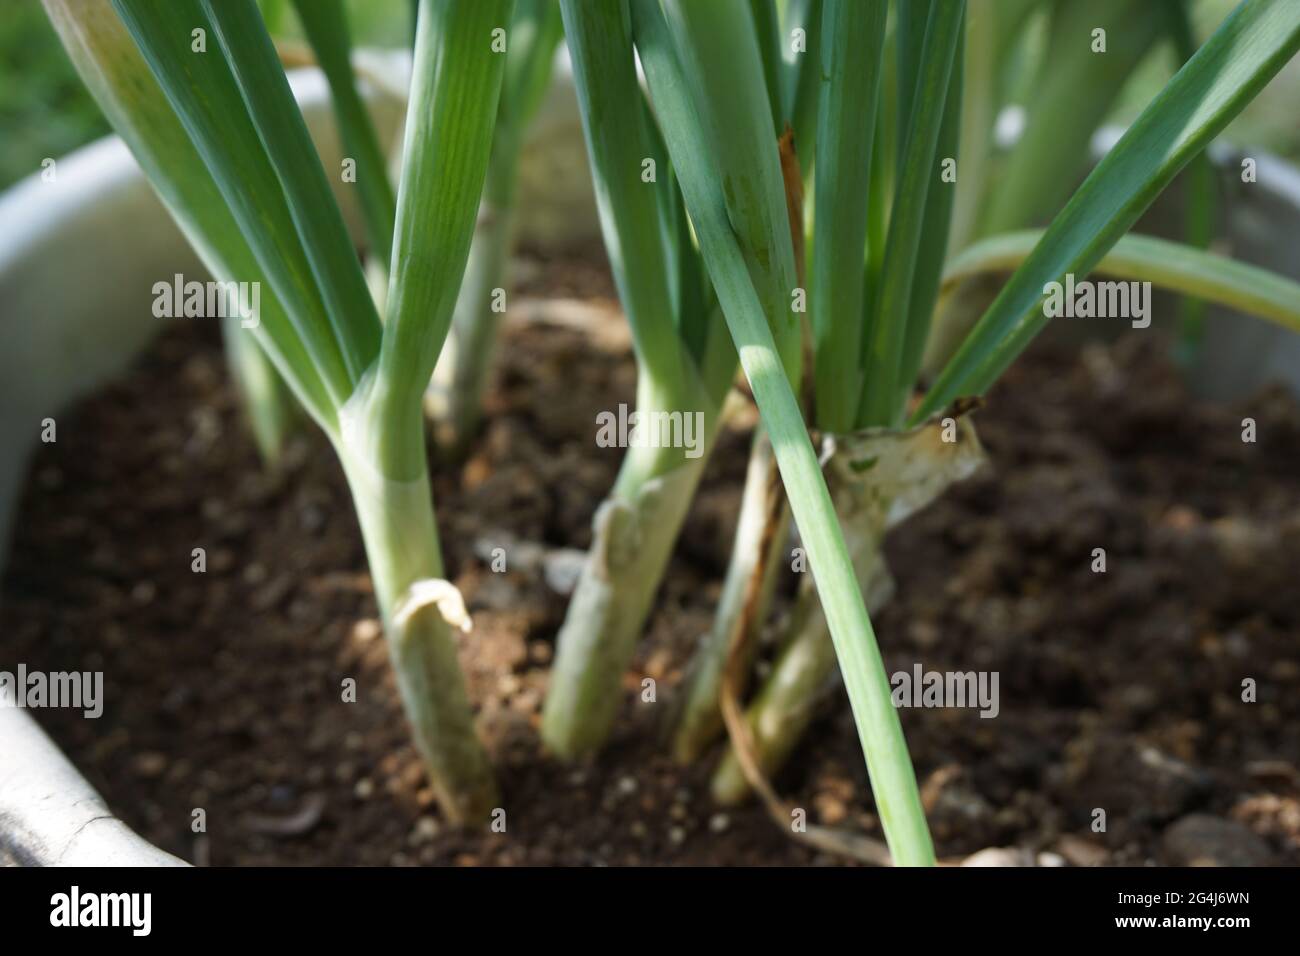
(719, 52)
(203, 92)
(619, 140)
(981, 102)
(1202, 185)
(802, 81)
(535, 32)
(911, 17)
(268, 403)
(449, 123)
(852, 42)
(326, 25)
(1175, 266)
(933, 249)
(324, 236)
(918, 170)
(120, 81)
(1247, 50)
(767, 30)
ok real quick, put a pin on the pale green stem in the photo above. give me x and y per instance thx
(268, 403)
(699, 722)
(454, 400)
(877, 480)
(634, 531)
(402, 546)
(780, 713)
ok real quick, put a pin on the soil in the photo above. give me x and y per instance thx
(1119, 690)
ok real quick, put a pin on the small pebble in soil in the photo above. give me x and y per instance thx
(831, 810)
(1000, 856)
(149, 764)
(364, 789)
(1080, 851)
(508, 684)
(426, 828)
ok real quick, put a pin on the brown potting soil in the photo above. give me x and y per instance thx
(1119, 691)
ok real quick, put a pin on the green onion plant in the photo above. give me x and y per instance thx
(896, 258)
(195, 89)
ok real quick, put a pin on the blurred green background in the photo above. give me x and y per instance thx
(45, 112)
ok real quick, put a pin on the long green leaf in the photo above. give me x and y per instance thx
(719, 52)
(1247, 50)
(879, 729)
(852, 42)
(326, 25)
(981, 102)
(449, 124)
(1175, 266)
(283, 132)
(917, 172)
(910, 19)
(1202, 184)
(535, 32)
(767, 30)
(203, 92)
(802, 82)
(619, 140)
(933, 248)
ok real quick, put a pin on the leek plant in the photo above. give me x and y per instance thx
(196, 91)
(876, 276)
(455, 397)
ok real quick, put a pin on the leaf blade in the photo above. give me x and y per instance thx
(1176, 266)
